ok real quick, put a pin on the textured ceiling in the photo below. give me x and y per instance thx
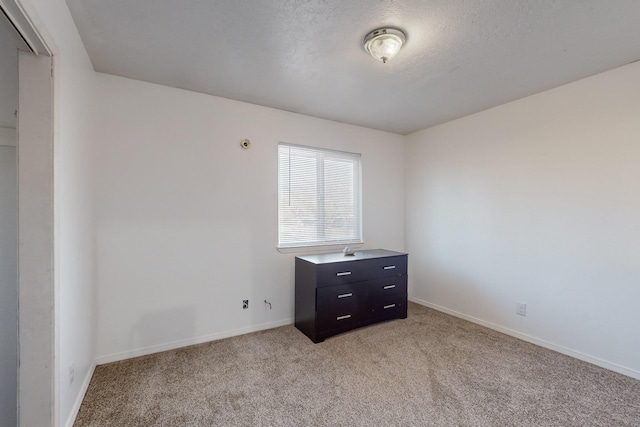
(306, 56)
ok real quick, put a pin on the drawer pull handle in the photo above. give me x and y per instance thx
(389, 306)
(344, 273)
(389, 267)
(345, 295)
(389, 287)
(346, 316)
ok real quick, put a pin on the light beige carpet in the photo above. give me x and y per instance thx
(430, 369)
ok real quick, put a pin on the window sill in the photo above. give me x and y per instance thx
(318, 249)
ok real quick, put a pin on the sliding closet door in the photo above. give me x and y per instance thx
(8, 285)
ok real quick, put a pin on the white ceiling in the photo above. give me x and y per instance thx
(306, 56)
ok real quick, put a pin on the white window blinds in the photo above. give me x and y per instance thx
(318, 197)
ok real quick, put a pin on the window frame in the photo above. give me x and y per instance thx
(321, 219)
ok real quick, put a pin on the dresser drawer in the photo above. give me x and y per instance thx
(391, 307)
(342, 321)
(341, 272)
(339, 297)
(380, 288)
(384, 267)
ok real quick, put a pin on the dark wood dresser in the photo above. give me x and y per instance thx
(336, 293)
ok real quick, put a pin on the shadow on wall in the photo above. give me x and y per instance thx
(164, 326)
(475, 296)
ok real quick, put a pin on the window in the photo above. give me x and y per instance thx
(318, 197)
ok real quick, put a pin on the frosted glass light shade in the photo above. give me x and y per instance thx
(384, 43)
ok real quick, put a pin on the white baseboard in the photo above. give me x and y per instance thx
(83, 391)
(191, 341)
(542, 343)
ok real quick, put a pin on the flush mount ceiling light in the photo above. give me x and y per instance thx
(384, 43)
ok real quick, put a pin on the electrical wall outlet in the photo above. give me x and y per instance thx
(245, 304)
(521, 308)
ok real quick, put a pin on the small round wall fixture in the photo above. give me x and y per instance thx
(384, 43)
(245, 143)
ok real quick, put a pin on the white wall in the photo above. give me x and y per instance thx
(187, 220)
(536, 201)
(73, 220)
